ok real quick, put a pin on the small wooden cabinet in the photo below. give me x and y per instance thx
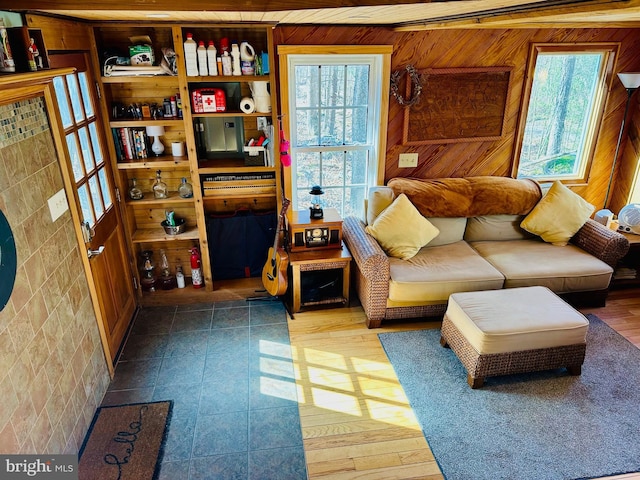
(118, 92)
(319, 277)
(627, 272)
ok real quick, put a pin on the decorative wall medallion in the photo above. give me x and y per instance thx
(8, 261)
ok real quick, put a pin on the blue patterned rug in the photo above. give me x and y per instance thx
(537, 426)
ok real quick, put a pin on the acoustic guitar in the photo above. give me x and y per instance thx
(274, 272)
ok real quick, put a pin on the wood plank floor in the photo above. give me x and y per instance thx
(356, 420)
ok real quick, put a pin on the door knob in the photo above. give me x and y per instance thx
(93, 253)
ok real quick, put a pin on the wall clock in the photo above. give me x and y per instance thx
(8, 261)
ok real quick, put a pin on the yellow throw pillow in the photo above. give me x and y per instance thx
(401, 230)
(558, 215)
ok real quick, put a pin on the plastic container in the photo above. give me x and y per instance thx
(212, 63)
(235, 55)
(226, 64)
(202, 59)
(191, 56)
(247, 59)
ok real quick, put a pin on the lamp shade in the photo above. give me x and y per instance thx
(630, 79)
(155, 130)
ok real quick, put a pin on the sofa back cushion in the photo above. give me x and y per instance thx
(495, 227)
(451, 230)
(379, 198)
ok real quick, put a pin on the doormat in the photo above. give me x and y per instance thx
(125, 442)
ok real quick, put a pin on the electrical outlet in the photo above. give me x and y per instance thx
(58, 205)
(408, 160)
(262, 123)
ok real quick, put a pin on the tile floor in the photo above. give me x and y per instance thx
(227, 367)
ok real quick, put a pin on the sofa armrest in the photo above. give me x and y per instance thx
(601, 242)
(371, 272)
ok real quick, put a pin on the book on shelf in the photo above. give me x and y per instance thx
(131, 143)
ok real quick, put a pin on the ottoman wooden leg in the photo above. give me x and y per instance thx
(574, 369)
(475, 382)
(444, 343)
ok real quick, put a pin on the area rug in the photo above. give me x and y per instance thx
(536, 426)
(125, 442)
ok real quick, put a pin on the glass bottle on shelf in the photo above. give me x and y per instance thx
(185, 190)
(167, 280)
(134, 192)
(159, 187)
(148, 278)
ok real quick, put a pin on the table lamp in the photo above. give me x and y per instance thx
(156, 131)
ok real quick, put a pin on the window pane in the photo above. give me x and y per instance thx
(95, 143)
(96, 197)
(307, 85)
(63, 105)
(85, 205)
(354, 202)
(74, 154)
(332, 86)
(74, 94)
(356, 168)
(332, 128)
(357, 85)
(104, 184)
(333, 198)
(87, 154)
(333, 169)
(307, 127)
(86, 99)
(307, 169)
(560, 109)
(355, 126)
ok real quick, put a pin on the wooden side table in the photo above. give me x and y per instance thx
(627, 272)
(319, 277)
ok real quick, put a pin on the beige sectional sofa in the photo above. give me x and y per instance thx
(480, 245)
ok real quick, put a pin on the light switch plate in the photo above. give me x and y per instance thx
(408, 160)
(58, 205)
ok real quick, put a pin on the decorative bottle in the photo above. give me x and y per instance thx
(202, 59)
(180, 276)
(211, 58)
(134, 192)
(191, 56)
(185, 190)
(159, 187)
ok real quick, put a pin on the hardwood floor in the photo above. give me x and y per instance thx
(356, 421)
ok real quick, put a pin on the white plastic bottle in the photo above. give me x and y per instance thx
(226, 64)
(235, 55)
(211, 58)
(202, 59)
(190, 56)
(247, 58)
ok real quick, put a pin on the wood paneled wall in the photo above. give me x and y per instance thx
(485, 48)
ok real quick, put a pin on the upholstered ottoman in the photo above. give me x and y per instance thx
(514, 330)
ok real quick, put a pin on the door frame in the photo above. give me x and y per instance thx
(22, 86)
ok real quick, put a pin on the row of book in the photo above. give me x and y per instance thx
(131, 143)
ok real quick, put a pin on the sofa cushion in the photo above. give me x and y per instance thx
(434, 273)
(451, 230)
(531, 262)
(558, 215)
(495, 227)
(378, 199)
(401, 230)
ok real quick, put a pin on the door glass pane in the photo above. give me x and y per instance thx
(86, 99)
(87, 154)
(95, 143)
(63, 104)
(74, 94)
(74, 155)
(85, 205)
(94, 188)
(104, 184)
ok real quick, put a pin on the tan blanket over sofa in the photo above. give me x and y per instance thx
(470, 196)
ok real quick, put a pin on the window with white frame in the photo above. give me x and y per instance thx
(334, 104)
(560, 119)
